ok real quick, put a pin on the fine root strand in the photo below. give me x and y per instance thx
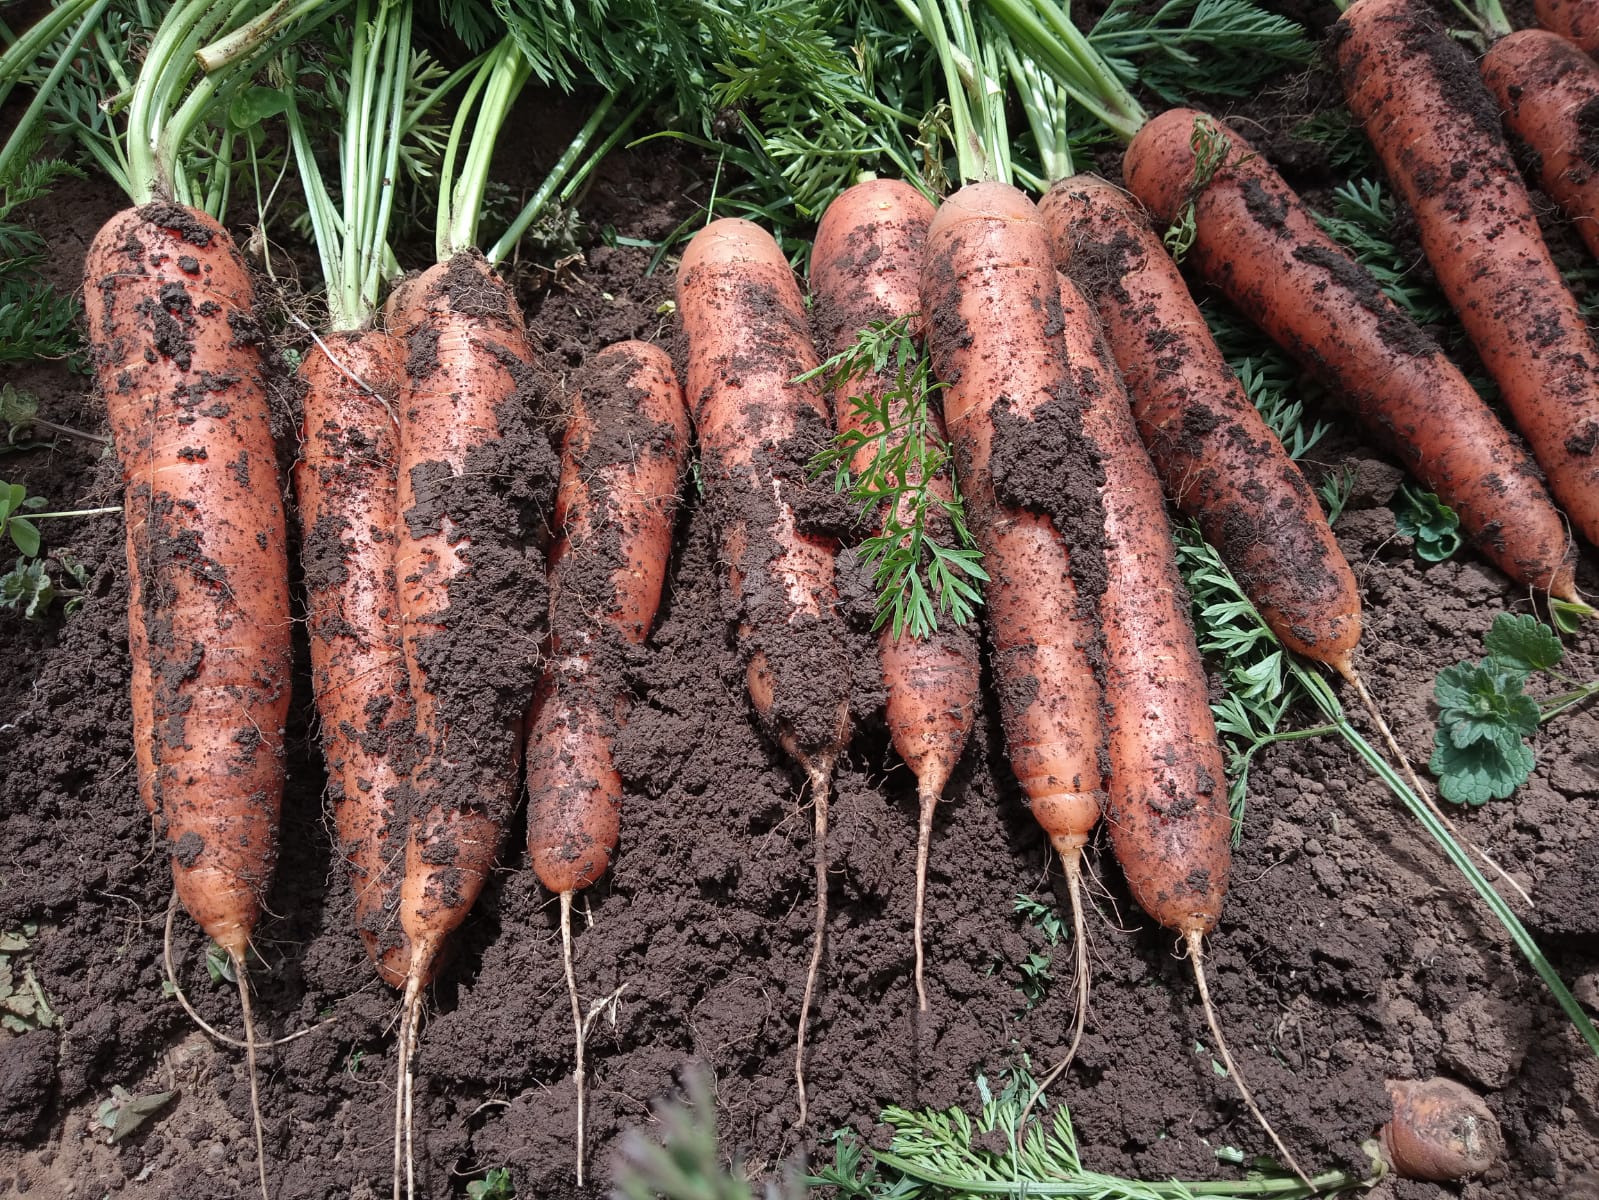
(1195, 940)
(243, 978)
(577, 1027)
(924, 841)
(820, 779)
(404, 1157)
(1074, 884)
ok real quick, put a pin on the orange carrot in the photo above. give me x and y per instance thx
(1575, 20)
(1257, 242)
(472, 604)
(748, 339)
(1431, 121)
(345, 482)
(865, 267)
(1217, 458)
(170, 308)
(1167, 810)
(1548, 91)
(990, 293)
(625, 448)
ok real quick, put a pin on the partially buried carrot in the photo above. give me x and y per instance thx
(748, 340)
(866, 267)
(1218, 460)
(1167, 811)
(1031, 486)
(170, 312)
(626, 443)
(345, 482)
(1256, 241)
(1431, 121)
(1548, 91)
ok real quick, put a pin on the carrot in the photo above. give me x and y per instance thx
(1575, 20)
(1167, 809)
(345, 482)
(1256, 241)
(990, 294)
(1216, 457)
(866, 265)
(472, 600)
(1441, 1131)
(1431, 121)
(748, 339)
(1548, 91)
(625, 448)
(170, 309)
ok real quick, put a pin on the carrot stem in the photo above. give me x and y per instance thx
(1195, 943)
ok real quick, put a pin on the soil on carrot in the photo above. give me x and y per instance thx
(1348, 950)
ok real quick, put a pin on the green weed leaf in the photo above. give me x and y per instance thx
(1523, 642)
(1485, 770)
(1432, 523)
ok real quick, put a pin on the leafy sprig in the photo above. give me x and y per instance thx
(1427, 519)
(1362, 220)
(1480, 751)
(1198, 47)
(1213, 152)
(925, 563)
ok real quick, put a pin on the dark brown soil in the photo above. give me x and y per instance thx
(1348, 951)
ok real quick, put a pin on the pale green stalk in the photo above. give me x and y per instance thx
(461, 205)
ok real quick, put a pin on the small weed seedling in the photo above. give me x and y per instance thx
(124, 1114)
(496, 1185)
(1432, 523)
(1480, 751)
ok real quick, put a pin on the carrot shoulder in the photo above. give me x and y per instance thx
(1257, 242)
(169, 302)
(1575, 20)
(1217, 458)
(1437, 131)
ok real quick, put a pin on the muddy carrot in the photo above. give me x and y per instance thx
(866, 267)
(748, 339)
(1437, 131)
(625, 448)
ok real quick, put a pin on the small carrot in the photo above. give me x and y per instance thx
(1256, 241)
(866, 266)
(625, 448)
(992, 301)
(748, 341)
(1430, 119)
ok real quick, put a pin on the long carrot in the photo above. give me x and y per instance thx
(1216, 457)
(170, 309)
(1167, 810)
(990, 294)
(748, 339)
(625, 448)
(345, 483)
(1431, 121)
(1256, 241)
(1548, 91)
(866, 267)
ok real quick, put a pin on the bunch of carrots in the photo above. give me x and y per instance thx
(1048, 358)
